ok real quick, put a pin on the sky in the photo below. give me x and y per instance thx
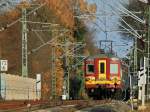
(7, 4)
(110, 23)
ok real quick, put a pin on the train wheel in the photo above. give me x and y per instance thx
(118, 94)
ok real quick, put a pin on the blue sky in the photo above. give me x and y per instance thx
(109, 23)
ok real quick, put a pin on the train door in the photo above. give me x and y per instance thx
(102, 69)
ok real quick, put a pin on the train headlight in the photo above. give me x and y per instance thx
(90, 79)
(114, 79)
(93, 78)
(87, 79)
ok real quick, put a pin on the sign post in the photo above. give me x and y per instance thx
(3, 68)
(38, 86)
(3, 65)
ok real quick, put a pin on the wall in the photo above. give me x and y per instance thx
(18, 88)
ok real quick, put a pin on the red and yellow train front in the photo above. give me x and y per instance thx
(102, 72)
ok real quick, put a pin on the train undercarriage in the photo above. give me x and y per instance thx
(108, 93)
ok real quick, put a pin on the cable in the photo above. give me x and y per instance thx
(32, 22)
(135, 32)
(130, 13)
(40, 38)
(14, 22)
(46, 43)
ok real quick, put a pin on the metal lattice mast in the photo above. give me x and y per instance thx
(53, 79)
(24, 43)
(66, 70)
(135, 57)
(53, 66)
(69, 49)
(68, 52)
(148, 55)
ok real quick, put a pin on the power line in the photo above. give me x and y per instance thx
(14, 22)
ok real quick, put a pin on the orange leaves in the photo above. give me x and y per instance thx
(46, 88)
(62, 9)
(92, 8)
(13, 14)
(9, 16)
(46, 85)
(59, 71)
(24, 4)
(85, 7)
(65, 12)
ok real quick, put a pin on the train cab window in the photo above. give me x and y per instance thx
(102, 68)
(90, 68)
(113, 68)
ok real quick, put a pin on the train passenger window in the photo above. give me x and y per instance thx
(102, 68)
(90, 68)
(113, 68)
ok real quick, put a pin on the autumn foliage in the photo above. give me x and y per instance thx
(65, 9)
(60, 11)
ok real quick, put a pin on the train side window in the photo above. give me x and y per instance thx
(102, 68)
(90, 68)
(114, 68)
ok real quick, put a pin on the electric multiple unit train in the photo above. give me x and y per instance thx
(103, 76)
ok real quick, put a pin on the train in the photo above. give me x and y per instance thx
(105, 77)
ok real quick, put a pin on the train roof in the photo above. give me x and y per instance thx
(103, 56)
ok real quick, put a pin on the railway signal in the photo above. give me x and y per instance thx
(142, 77)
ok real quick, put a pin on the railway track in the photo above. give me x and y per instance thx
(24, 106)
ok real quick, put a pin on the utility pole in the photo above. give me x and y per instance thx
(53, 65)
(24, 43)
(68, 48)
(130, 78)
(148, 56)
(135, 58)
(53, 68)
(66, 83)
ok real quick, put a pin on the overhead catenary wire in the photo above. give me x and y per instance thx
(126, 11)
(135, 33)
(46, 43)
(14, 22)
(40, 38)
(44, 23)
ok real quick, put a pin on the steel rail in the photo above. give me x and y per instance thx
(54, 103)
